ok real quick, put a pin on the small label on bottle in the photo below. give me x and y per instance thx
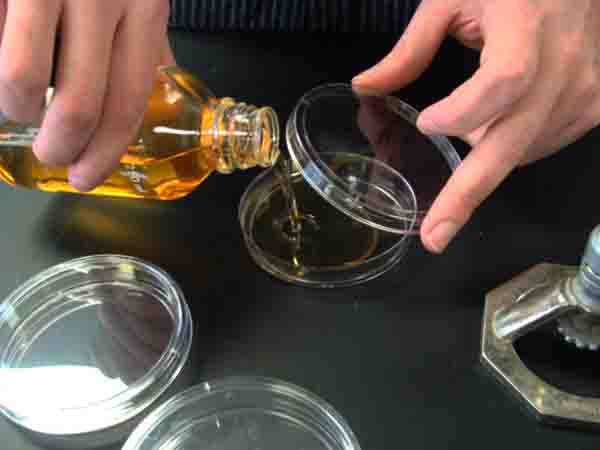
(137, 177)
(22, 139)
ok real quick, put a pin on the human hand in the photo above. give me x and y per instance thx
(536, 90)
(105, 68)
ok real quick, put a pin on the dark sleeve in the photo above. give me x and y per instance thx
(292, 15)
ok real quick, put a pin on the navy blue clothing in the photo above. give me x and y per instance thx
(292, 15)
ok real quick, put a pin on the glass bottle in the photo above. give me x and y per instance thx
(187, 133)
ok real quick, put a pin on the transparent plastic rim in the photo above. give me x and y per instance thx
(324, 181)
(378, 264)
(321, 411)
(141, 394)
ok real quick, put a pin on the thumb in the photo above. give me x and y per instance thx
(414, 51)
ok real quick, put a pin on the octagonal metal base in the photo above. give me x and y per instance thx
(549, 404)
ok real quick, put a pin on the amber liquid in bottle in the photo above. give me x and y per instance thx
(187, 134)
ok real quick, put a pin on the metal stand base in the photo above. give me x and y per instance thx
(511, 310)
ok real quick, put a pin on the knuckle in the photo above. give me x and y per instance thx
(78, 116)
(515, 78)
(517, 73)
(22, 81)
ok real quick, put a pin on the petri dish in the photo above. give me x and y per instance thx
(88, 346)
(378, 135)
(334, 249)
(244, 413)
(363, 177)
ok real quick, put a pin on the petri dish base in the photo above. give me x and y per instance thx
(332, 250)
(89, 345)
(244, 413)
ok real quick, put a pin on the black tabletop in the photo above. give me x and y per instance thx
(398, 357)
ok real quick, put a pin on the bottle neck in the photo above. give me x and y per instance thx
(242, 136)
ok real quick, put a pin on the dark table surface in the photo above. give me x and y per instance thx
(398, 357)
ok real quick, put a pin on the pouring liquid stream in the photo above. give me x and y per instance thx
(282, 171)
(296, 225)
(291, 221)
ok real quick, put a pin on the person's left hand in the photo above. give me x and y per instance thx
(536, 91)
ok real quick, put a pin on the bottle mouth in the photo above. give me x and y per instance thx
(247, 136)
(267, 135)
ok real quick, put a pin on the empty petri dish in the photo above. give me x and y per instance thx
(244, 413)
(345, 205)
(89, 345)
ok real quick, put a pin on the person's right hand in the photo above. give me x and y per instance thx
(537, 89)
(105, 68)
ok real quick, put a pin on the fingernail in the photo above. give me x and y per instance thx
(360, 77)
(366, 92)
(428, 126)
(81, 184)
(359, 87)
(442, 234)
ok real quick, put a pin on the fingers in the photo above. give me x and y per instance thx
(81, 80)
(510, 62)
(489, 93)
(130, 80)
(414, 51)
(26, 57)
(499, 151)
(479, 175)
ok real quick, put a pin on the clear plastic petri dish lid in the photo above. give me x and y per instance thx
(88, 346)
(244, 413)
(358, 151)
